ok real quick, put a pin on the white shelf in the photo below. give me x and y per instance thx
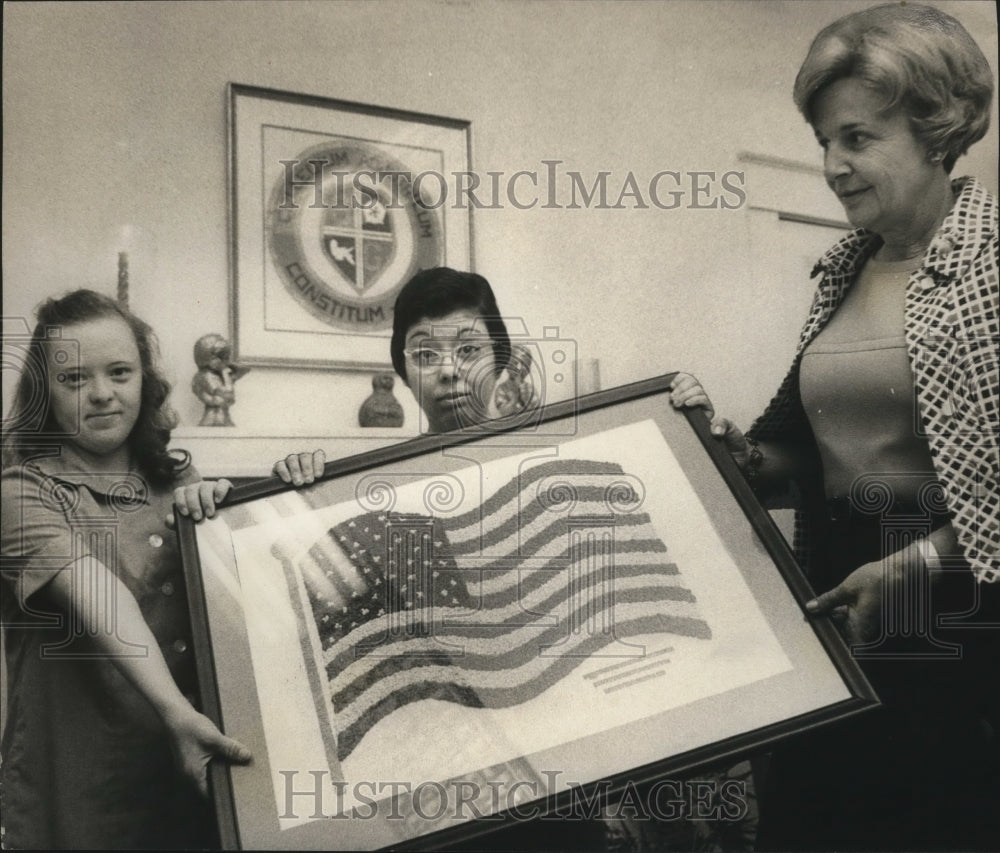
(236, 432)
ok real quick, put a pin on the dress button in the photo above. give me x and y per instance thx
(180, 646)
(167, 588)
(156, 540)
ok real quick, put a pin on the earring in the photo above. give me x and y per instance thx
(936, 157)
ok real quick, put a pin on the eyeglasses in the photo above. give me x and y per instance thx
(461, 354)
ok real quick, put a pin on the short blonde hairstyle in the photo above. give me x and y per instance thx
(919, 59)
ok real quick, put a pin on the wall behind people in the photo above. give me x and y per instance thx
(115, 137)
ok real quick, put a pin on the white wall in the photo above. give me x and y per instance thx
(114, 120)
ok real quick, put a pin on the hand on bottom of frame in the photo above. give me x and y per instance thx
(195, 741)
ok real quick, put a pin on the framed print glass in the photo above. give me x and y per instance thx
(333, 207)
(492, 622)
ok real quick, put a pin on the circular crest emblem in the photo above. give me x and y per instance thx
(346, 229)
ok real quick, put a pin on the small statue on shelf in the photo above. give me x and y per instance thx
(213, 384)
(516, 393)
(381, 409)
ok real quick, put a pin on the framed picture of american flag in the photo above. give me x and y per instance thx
(497, 625)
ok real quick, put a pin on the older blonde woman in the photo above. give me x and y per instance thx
(887, 424)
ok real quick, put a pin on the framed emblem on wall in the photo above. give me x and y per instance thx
(333, 207)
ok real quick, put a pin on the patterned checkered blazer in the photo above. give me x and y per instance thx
(952, 330)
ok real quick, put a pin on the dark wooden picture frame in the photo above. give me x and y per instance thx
(690, 646)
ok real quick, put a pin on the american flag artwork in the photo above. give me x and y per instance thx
(490, 606)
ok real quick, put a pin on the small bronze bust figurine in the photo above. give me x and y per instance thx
(381, 409)
(516, 392)
(213, 384)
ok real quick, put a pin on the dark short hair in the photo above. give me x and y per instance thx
(31, 415)
(435, 293)
(919, 59)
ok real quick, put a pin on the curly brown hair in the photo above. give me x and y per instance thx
(31, 421)
(918, 58)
